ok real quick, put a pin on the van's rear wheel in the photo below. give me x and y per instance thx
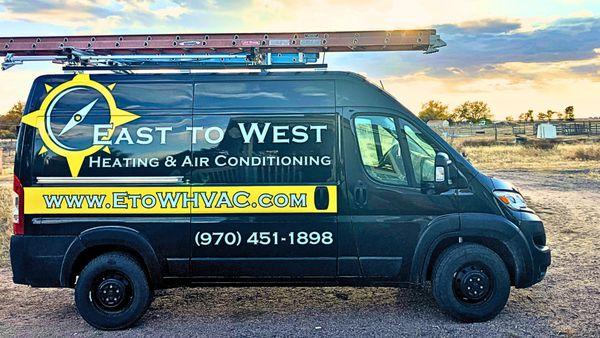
(470, 282)
(112, 292)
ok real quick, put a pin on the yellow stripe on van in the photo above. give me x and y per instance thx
(176, 200)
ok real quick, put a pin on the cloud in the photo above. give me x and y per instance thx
(47, 11)
(542, 71)
(484, 26)
(566, 39)
(100, 16)
(591, 69)
(211, 5)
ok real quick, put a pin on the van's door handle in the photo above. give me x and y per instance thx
(321, 198)
(360, 194)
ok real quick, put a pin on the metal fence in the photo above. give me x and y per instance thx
(507, 130)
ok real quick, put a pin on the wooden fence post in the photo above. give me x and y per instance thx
(495, 133)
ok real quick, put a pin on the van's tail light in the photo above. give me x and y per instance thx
(18, 209)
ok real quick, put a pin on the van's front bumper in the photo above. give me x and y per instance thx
(37, 260)
(542, 259)
(533, 229)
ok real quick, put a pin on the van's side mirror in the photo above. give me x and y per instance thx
(442, 172)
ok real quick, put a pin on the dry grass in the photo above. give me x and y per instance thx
(5, 223)
(460, 143)
(577, 157)
(585, 152)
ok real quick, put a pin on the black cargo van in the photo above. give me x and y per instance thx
(125, 184)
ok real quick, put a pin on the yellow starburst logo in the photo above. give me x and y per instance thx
(40, 119)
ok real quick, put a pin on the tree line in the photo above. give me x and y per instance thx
(10, 121)
(567, 115)
(469, 111)
(480, 112)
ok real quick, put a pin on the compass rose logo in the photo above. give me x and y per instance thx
(56, 140)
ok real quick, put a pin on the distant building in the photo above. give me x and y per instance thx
(546, 130)
(438, 124)
(441, 127)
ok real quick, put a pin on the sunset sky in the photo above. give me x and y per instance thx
(513, 54)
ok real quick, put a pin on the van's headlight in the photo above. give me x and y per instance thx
(512, 199)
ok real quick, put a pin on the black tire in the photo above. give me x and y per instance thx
(122, 280)
(470, 282)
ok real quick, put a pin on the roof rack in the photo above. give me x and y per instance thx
(124, 53)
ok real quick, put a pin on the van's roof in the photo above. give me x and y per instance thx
(351, 89)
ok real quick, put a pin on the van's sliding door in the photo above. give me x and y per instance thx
(266, 189)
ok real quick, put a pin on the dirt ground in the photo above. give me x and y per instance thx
(566, 302)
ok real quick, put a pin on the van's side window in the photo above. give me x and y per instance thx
(272, 149)
(141, 147)
(422, 155)
(380, 150)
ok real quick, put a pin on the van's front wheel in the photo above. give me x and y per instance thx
(112, 292)
(470, 282)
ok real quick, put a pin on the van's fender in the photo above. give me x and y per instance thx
(429, 237)
(111, 236)
(477, 226)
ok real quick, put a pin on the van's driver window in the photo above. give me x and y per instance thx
(379, 149)
(422, 155)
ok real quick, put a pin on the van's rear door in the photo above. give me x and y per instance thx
(107, 153)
